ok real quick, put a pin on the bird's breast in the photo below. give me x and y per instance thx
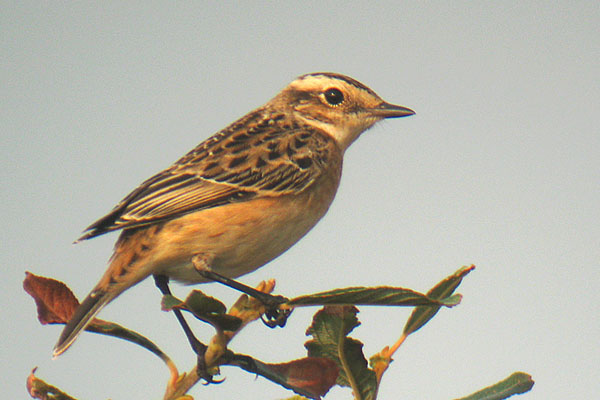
(238, 238)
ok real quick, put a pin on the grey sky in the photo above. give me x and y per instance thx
(499, 168)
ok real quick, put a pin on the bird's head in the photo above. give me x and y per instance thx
(337, 104)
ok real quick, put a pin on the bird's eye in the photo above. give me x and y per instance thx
(334, 96)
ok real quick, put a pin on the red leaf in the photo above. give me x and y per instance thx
(54, 300)
(314, 374)
(31, 381)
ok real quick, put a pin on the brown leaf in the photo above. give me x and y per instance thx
(38, 389)
(314, 374)
(54, 300)
(31, 383)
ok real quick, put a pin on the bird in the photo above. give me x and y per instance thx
(240, 198)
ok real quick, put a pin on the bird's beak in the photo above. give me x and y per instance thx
(387, 110)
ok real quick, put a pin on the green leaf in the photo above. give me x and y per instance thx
(201, 304)
(517, 383)
(372, 296)
(170, 302)
(118, 331)
(205, 308)
(332, 322)
(224, 322)
(443, 290)
(329, 330)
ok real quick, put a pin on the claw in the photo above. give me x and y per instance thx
(275, 317)
(201, 370)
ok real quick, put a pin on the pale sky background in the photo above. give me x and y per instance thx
(499, 168)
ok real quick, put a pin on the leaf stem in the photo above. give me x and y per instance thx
(390, 352)
(346, 367)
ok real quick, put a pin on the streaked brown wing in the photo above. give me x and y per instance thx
(233, 165)
(163, 197)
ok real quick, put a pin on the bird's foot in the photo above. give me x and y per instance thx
(275, 316)
(201, 368)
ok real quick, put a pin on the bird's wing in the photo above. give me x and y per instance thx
(233, 165)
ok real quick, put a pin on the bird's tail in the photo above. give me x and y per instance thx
(83, 316)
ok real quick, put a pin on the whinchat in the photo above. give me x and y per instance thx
(240, 198)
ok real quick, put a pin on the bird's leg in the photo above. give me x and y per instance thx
(274, 315)
(162, 283)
